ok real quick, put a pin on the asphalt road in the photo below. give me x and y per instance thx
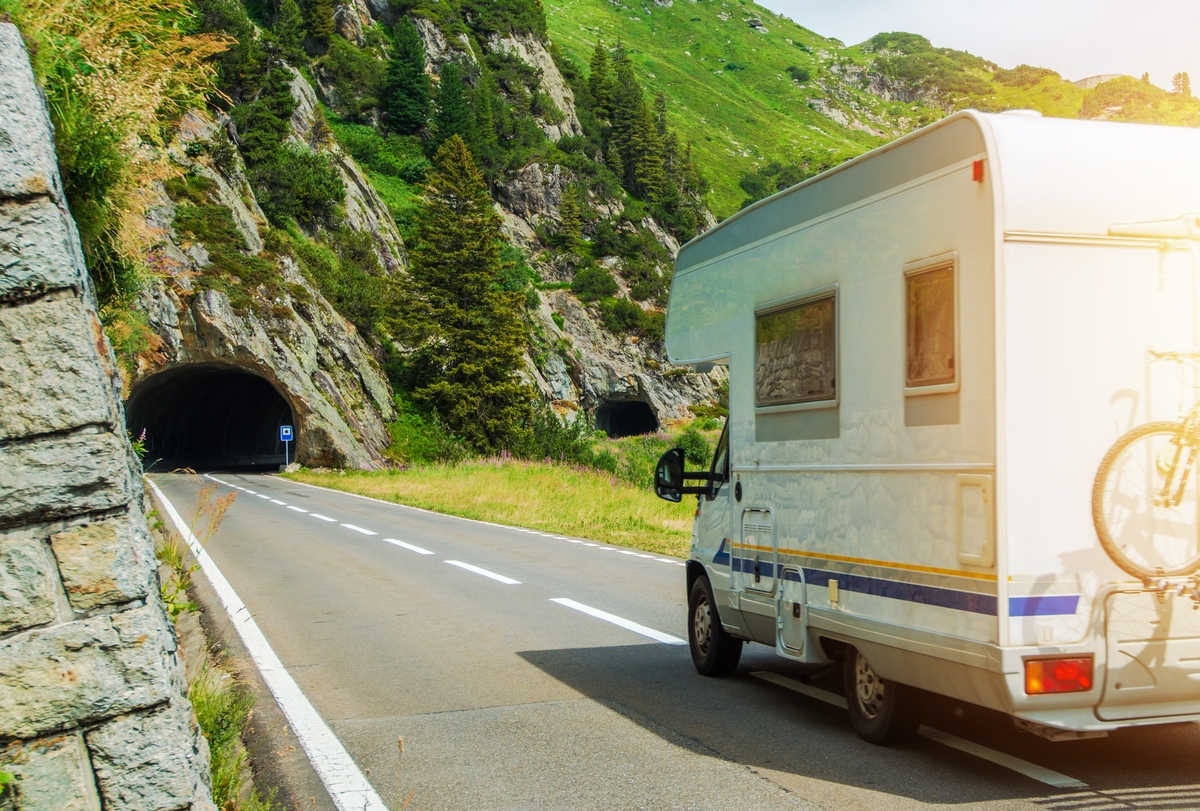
(507, 699)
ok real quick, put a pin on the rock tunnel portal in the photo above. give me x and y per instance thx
(207, 416)
(626, 418)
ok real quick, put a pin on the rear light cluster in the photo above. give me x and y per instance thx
(1058, 676)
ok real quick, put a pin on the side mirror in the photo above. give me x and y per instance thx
(669, 477)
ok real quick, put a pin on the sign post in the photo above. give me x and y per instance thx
(285, 436)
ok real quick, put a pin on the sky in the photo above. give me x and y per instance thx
(1077, 38)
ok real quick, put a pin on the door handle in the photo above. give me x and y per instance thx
(796, 610)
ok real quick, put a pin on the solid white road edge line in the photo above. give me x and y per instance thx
(1032, 770)
(359, 529)
(508, 581)
(411, 547)
(347, 786)
(629, 625)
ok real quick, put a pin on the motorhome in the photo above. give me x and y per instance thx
(961, 436)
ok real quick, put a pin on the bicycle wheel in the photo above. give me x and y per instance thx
(1145, 539)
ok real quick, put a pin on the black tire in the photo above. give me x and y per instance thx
(1102, 504)
(882, 712)
(714, 651)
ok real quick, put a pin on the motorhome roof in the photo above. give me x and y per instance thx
(1048, 174)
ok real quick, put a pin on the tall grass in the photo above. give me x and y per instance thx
(223, 708)
(552, 497)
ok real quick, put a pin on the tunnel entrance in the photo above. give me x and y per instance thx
(626, 418)
(208, 416)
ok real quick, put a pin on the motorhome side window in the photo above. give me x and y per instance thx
(795, 354)
(931, 341)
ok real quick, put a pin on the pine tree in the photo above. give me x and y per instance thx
(289, 29)
(646, 151)
(598, 81)
(570, 220)
(614, 163)
(453, 116)
(488, 105)
(320, 21)
(1181, 84)
(404, 95)
(476, 334)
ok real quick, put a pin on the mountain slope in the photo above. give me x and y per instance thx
(749, 87)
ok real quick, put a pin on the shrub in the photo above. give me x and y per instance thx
(696, 449)
(357, 77)
(801, 75)
(592, 283)
(420, 437)
(295, 183)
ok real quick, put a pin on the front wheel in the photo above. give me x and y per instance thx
(882, 712)
(1145, 502)
(714, 651)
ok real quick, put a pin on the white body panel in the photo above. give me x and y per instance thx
(1054, 322)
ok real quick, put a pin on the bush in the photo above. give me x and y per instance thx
(294, 183)
(356, 78)
(696, 449)
(420, 437)
(801, 75)
(592, 283)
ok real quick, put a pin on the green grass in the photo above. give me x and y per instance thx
(538, 495)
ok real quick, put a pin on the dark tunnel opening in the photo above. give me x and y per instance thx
(209, 416)
(626, 418)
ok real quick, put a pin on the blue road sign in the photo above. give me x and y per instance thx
(285, 433)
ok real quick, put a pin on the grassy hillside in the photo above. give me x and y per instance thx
(750, 88)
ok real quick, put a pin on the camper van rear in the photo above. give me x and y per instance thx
(933, 351)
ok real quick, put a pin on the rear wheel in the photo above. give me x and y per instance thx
(714, 652)
(882, 712)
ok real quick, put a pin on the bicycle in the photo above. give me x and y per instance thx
(1145, 499)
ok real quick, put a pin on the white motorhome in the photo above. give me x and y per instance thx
(936, 353)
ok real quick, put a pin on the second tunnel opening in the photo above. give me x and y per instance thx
(626, 418)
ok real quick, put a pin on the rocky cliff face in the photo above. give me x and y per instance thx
(291, 336)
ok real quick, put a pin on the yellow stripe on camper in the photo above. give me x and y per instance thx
(909, 567)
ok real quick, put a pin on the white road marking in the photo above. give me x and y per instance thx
(412, 547)
(251, 492)
(322, 517)
(359, 529)
(629, 625)
(1032, 770)
(508, 581)
(627, 552)
(298, 509)
(260, 495)
(591, 544)
(665, 560)
(280, 503)
(568, 540)
(346, 785)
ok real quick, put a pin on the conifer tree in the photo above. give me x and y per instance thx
(646, 151)
(488, 105)
(404, 94)
(570, 224)
(614, 163)
(320, 21)
(453, 116)
(289, 28)
(476, 335)
(598, 81)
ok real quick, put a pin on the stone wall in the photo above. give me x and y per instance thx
(93, 706)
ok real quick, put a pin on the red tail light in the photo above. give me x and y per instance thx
(1058, 676)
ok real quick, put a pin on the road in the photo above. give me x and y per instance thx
(393, 623)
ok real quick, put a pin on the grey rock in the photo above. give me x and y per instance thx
(39, 250)
(144, 762)
(58, 678)
(52, 372)
(530, 50)
(347, 23)
(28, 165)
(26, 585)
(103, 564)
(381, 10)
(51, 774)
(535, 192)
(60, 476)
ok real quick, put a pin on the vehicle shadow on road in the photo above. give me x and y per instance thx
(749, 721)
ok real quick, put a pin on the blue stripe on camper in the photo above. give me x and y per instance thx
(722, 556)
(892, 589)
(1043, 605)
(911, 592)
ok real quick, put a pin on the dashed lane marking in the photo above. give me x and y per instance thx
(411, 547)
(280, 503)
(260, 495)
(322, 517)
(359, 529)
(297, 509)
(1032, 770)
(629, 625)
(508, 581)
